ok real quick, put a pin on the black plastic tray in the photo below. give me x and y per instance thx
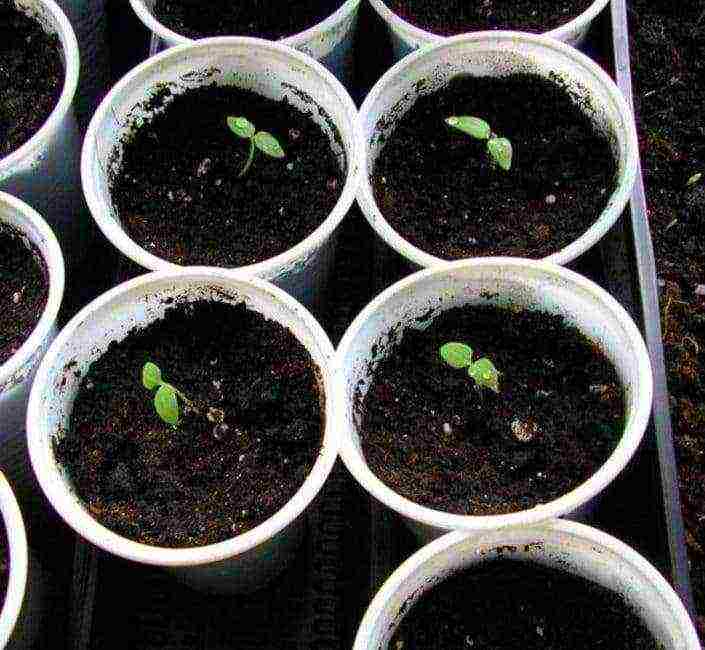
(352, 543)
(645, 265)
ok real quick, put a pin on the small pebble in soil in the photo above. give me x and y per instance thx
(524, 430)
(551, 199)
(220, 431)
(700, 290)
(215, 415)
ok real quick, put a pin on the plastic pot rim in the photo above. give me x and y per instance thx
(295, 40)
(572, 529)
(75, 514)
(559, 33)
(617, 461)
(17, 551)
(54, 261)
(603, 222)
(266, 268)
(69, 45)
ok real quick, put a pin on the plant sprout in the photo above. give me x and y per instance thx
(499, 149)
(483, 371)
(166, 399)
(695, 178)
(261, 140)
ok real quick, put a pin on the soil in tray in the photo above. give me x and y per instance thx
(204, 480)
(509, 604)
(261, 18)
(434, 437)
(31, 77)
(24, 289)
(440, 190)
(668, 58)
(448, 18)
(178, 190)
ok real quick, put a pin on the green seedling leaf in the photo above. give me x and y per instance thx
(151, 376)
(456, 355)
(473, 126)
(485, 374)
(269, 145)
(694, 179)
(501, 151)
(167, 405)
(241, 127)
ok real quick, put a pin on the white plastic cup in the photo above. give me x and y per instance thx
(567, 546)
(406, 37)
(269, 69)
(330, 42)
(44, 171)
(491, 281)
(17, 551)
(89, 21)
(17, 373)
(242, 563)
(497, 54)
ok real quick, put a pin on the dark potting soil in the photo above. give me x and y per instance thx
(24, 290)
(179, 195)
(510, 604)
(668, 59)
(31, 77)
(261, 18)
(430, 434)
(201, 482)
(438, 188)
(447, 18)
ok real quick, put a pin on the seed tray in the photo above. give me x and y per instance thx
(352, 543)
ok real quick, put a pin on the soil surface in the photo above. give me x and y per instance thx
(448, 18)
(668, 58)
(434, 437)
(31, 77)
(509, 604)
(262, 18)
(201, 482)
(441, 191)
(179, 193)
(24, 290)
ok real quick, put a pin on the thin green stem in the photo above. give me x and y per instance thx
(250, 158)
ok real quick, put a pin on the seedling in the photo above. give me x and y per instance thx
(499, 149)
(483, 371)
(166, 399)
(261, 140)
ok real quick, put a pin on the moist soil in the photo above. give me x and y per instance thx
(434, 437)
(448, 18)
(440, 190)
(31, 77)
(179, 195)
(668, 59)
(262, 18)
(24, 289)
(510, 604)
(203, 481)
